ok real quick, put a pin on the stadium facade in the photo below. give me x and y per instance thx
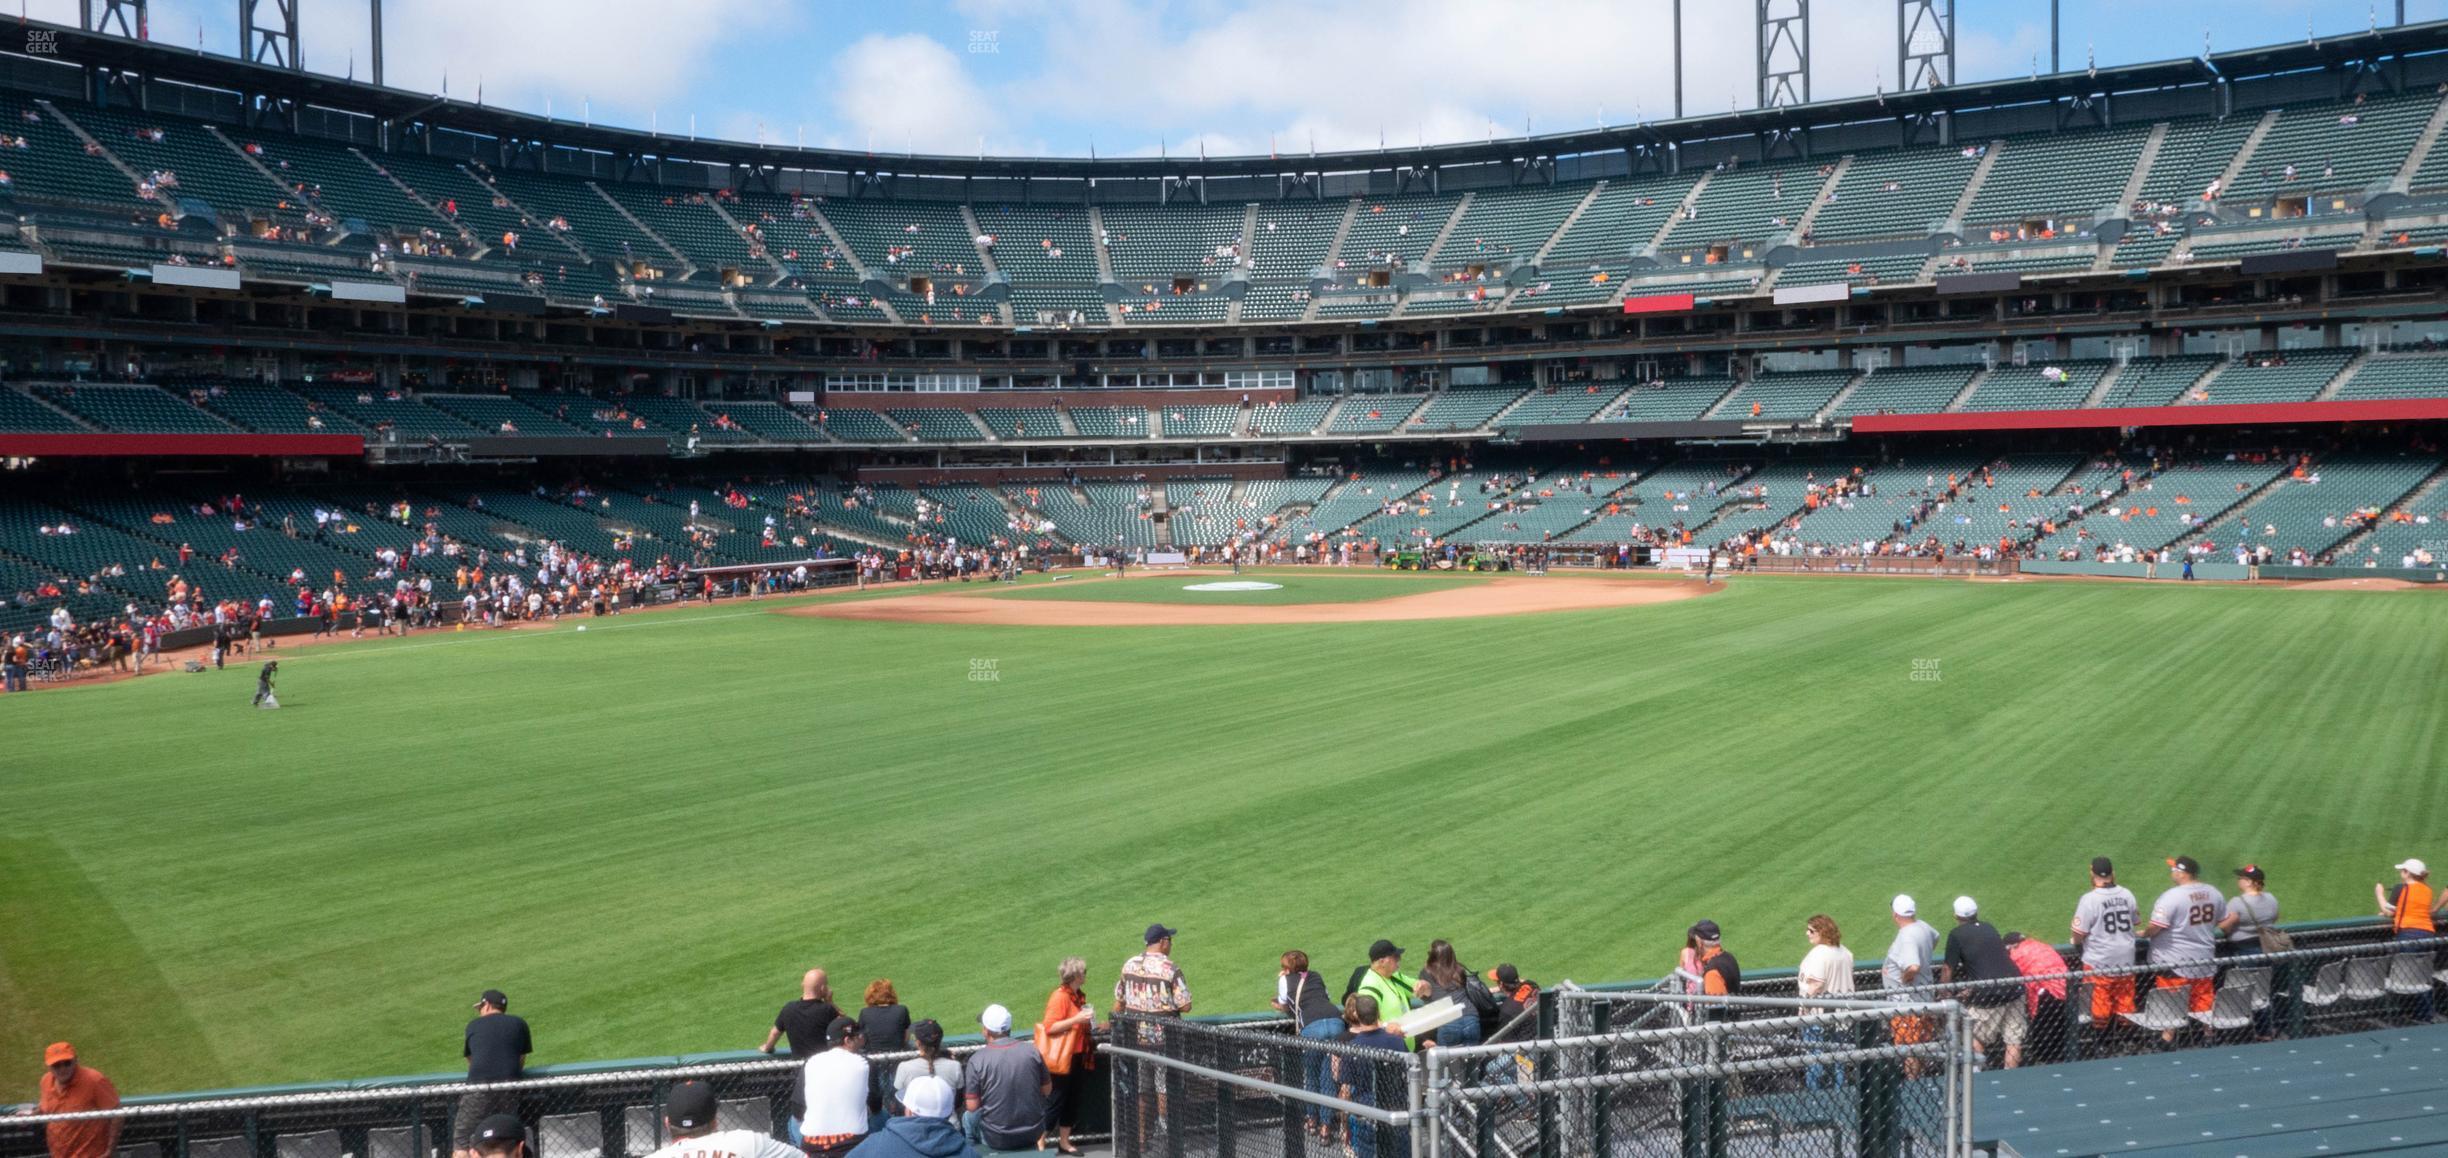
(308, 283)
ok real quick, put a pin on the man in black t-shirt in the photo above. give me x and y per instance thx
(804, 1022)
(1976, 952)
(496, 1047)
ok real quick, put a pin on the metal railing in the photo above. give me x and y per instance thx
(1244, 1077)
(612, 1112)
(1784, 1077)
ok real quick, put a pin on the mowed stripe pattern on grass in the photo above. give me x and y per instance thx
(645, 832)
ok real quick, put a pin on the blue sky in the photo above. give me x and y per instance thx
(1063, 77)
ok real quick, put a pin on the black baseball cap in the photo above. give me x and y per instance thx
(929, 1033)
(1506, 975)
(2251, 872)
(500, 1128)
(1384, 949)
(2185, 864)
(690, 1106)
(2102, 867)
(1157, 933)
(1706, 931)
(844, 1029)
(493, 997)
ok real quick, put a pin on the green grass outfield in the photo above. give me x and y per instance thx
(645, 831)
(1294, 585)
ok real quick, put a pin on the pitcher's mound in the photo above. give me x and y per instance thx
(1508, 596)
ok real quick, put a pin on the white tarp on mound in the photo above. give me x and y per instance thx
(1235, 585)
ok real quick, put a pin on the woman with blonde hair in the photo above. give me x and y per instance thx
(1065, 1038)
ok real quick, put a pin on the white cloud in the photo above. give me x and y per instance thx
(908, 93)
(1445, 70)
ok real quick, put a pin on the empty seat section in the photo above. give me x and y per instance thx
(938, 423)
(2272, 376)
(1373, 413)
(1668, 400)
(1464, 408)
(1908, 390)
(1564, 403)
(1290, 418)
(1895, 194)
(1789, 396)
(1022, 421)
(2398, 376)
(2045, 385)
(2157, 381)
(1197, 421)
(140, 409)
(1111, 421)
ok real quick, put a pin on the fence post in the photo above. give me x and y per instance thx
(1224, 1120)
(1704, 1111)
(1602, 1017)
(2290, 982)
(1292, 1067)
(1876, 1109)
(1545, 1070)
(1170, 1097)
(2078, 1010)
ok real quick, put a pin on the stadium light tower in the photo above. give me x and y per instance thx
(274, 43)
(1784, 52)
(1925, 44)
(124, 17)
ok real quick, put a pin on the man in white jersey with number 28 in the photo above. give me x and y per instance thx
(689, 1114)
(2104, 926)
(2183, 935)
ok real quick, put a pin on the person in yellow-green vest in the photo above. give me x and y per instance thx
(1386, 982)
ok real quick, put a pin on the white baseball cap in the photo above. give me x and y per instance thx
(928, 1096)
(996, 1019)
(1903, 906)
(1966, 907)
(2413, 865)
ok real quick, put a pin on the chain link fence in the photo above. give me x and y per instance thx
(1663, 1073)
(616, 1112)
(1731, 1076)
(1186, 1089)
(2071, 1014)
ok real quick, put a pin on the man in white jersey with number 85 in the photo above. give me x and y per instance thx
(2104, 926)
(2183, 935)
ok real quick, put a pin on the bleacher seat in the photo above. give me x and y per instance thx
(1784, 397)
(2030, 387)
(1197, 421)
(1906, 390)
(146, 409)
(2271, 376)
(938, 423)
(1668, 400)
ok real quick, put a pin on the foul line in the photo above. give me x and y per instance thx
(495, 633)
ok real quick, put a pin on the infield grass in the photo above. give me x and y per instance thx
(644, 832)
